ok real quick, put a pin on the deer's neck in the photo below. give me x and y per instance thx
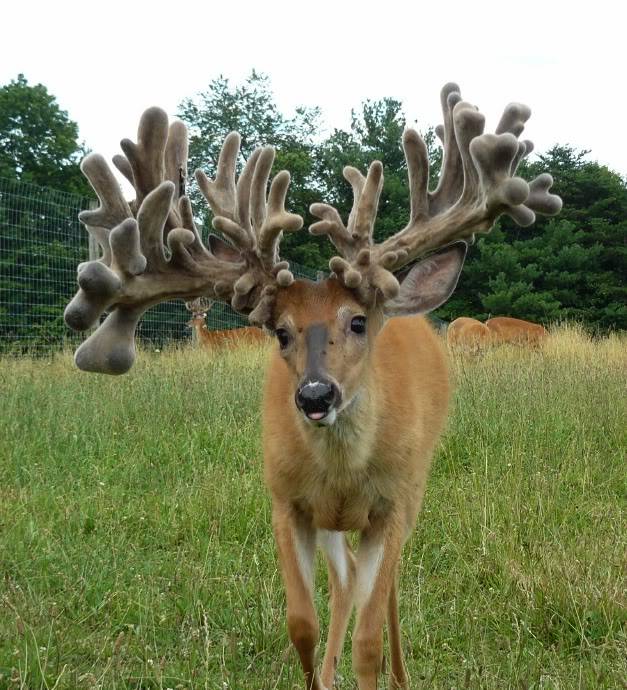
(347, 444)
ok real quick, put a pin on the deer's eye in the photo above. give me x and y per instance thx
(358, 324)
(283, 337)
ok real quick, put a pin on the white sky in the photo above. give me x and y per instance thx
(106, 62)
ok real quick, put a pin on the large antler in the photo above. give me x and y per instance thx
(151, 248)
(477, 184)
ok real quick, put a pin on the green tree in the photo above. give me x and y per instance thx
(569, 267)
(249, 108)
(41, 188)
(38, 141)
(595, 201)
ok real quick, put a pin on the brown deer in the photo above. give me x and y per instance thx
(465, 333)
(355, 399)
(216, 339)
(506, 329)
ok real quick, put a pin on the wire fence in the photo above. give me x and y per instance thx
(41, 244)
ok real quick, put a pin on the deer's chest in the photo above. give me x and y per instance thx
(343, 503)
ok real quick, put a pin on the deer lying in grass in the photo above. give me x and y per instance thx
(505, 329)
(215, 339)
(355, 399)
(465, 333)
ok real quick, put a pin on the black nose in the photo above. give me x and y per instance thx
(316, 397)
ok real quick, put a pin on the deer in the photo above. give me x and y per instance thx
(467, 333)
(357, 387)
(211, 339)
(506, 329)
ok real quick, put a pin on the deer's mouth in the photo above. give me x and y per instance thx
(321, 418)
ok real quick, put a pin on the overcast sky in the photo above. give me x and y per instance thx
(106, 62)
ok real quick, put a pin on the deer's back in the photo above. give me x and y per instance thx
(509, 329)
(466, 331)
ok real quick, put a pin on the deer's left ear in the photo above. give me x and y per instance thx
(428, 283)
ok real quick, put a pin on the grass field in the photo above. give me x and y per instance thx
(136, 551)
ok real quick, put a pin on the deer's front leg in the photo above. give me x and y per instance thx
(377, 561)
(296, 542)
(341, 564)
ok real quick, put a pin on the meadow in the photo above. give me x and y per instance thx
(136, 549)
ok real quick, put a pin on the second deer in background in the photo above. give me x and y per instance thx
(230, 337)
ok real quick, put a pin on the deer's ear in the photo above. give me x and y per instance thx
(428, 283)
(223, 250)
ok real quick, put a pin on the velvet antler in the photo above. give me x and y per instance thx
(152, 251)
(477, 184)
(252, 223)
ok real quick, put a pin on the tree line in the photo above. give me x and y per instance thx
(569, 267)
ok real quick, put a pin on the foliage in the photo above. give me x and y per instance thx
(41, 243)
(569, 267)
(38, 141)
(136, 547)
(41, 188)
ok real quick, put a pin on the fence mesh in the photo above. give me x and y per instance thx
(41, 243)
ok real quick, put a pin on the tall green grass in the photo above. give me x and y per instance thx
(136, 550)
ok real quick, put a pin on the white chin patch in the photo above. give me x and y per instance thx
(324, 419)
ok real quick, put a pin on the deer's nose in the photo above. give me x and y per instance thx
(317, 398)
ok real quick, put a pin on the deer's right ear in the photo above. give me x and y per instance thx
(223, 250)
(428, 283)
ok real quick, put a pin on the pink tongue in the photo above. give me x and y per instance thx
(316, 415)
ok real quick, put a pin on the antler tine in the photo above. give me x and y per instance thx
(113, 208)
(220, 193)
(361, 222)
(277, 220)
(417, 158)
(176, 152)
(147, 157)
(451, 180)
(243, 190)
(332, 226)
(357, 182)
(122, 164)
(259, 186)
